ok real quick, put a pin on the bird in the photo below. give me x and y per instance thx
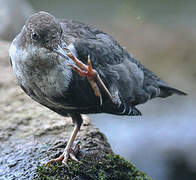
(73, 68)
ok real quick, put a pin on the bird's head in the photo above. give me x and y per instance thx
(43, 30)
(41, 35)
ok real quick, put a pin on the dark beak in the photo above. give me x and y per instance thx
(61, 51)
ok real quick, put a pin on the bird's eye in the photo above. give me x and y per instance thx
(35, 36)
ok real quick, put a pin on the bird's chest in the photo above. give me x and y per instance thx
(44, 84)
(41, 77)
(50, 80)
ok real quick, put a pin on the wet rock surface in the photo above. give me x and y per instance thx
(30, 134)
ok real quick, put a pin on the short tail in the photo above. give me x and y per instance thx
(166, 91)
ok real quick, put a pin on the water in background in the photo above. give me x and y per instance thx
(163, 35)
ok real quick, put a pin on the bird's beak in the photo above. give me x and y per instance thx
(61, 51)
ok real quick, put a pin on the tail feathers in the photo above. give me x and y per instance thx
(128, 110)
(166, 91)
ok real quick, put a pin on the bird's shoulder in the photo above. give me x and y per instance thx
(90, 40)
(103, 49)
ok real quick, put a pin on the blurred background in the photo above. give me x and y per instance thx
(162, 35)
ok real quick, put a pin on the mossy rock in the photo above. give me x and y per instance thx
(109, 167)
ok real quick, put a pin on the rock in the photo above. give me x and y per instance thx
(30, 135)
(13, 14)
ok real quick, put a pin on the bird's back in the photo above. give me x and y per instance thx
(127, 79)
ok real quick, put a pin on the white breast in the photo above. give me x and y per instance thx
(41, 71)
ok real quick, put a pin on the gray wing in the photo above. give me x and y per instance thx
(126, 78)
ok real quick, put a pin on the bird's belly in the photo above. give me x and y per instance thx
(52, 89)
(43, 85)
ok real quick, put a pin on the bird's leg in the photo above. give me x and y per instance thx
(91, 81)
(91, 74)
(68, 151)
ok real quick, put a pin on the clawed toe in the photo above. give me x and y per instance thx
(67, 154)
(59, 159)
(92, 76)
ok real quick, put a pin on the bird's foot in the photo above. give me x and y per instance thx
(91, 74)
(67, 154)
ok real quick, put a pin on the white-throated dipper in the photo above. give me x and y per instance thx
(49, 55)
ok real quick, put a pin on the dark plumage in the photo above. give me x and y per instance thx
(50, 80)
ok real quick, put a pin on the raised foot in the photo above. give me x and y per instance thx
(67, 154)
(91, 74)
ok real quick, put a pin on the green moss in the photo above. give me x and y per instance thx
(110, 167)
